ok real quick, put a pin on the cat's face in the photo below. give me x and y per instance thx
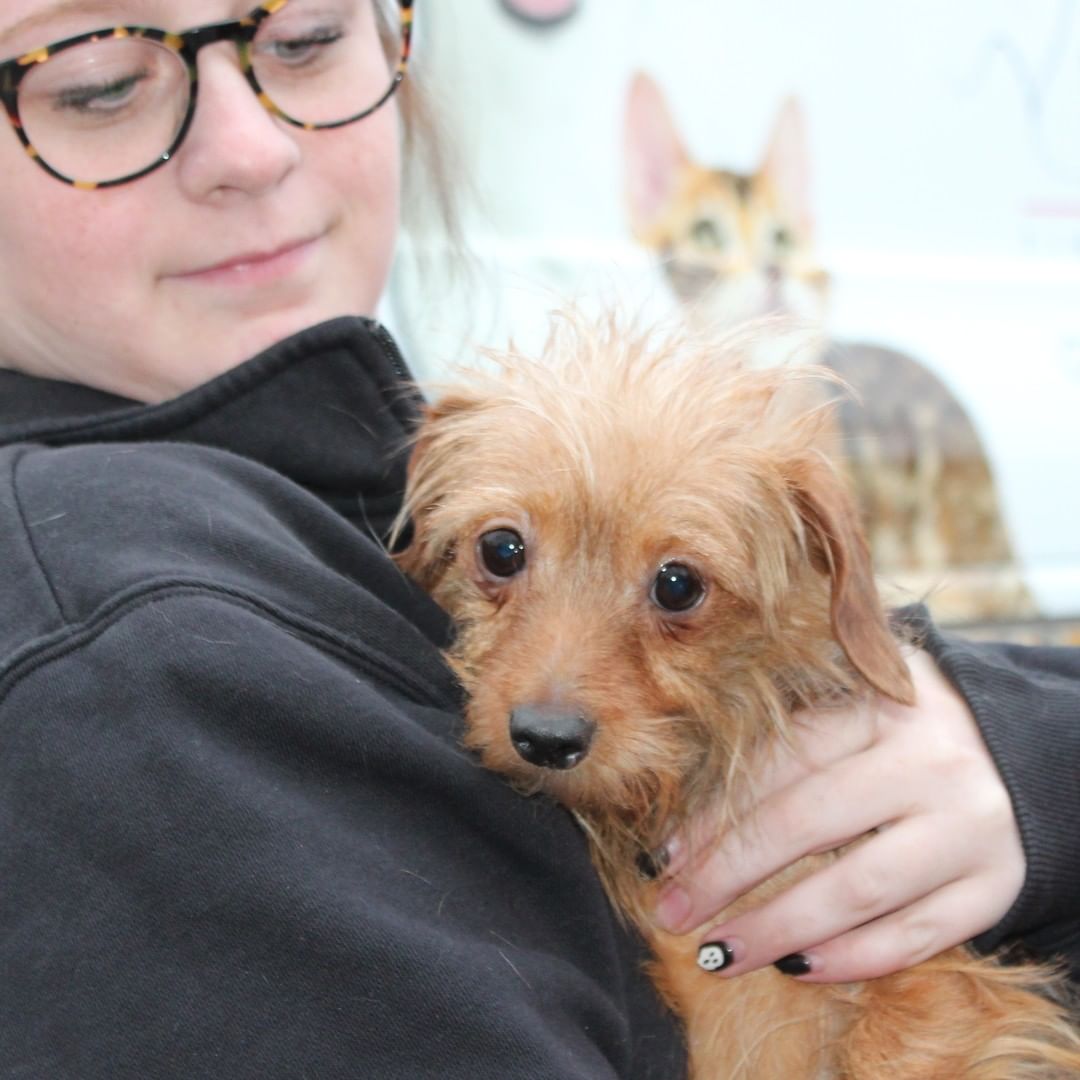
(733, 250)
(734, 246)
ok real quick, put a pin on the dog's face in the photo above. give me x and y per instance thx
(648, 561)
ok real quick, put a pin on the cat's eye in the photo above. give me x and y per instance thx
(677, 587)
(782, 239)
(707, 234)
(501, 552)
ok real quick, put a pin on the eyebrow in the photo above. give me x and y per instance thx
(104, 8)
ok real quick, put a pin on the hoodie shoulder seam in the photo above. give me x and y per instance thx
(28, 533)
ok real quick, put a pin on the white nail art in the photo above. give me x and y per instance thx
(715, 955)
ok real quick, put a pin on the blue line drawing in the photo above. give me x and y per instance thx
(1048, 83)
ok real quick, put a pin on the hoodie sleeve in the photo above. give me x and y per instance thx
(1026, 701)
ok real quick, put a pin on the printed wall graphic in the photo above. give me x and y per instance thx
(908, 179)
(540, 13)
(1044, 71)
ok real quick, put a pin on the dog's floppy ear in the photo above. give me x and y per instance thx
(434, 467)
(838, 547)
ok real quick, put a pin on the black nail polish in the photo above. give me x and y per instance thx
(793, 964)
(651, 864)
(715, 956)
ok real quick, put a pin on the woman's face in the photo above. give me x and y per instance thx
(253, 231)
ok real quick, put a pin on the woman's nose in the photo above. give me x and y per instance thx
(234, 143)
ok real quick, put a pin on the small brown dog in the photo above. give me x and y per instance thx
(651, 562)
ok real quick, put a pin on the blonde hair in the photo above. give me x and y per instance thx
(432, 170)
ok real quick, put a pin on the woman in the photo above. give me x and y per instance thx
(237, 838)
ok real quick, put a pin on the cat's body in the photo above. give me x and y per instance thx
(739, 246)
(926, 490)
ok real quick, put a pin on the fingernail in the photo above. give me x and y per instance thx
(673, 908)
(651, 864)
(715, 956)
(795, 963)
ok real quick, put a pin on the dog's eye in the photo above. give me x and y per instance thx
(677, 588)
(502, 551)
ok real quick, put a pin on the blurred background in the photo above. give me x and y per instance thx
(904, 178)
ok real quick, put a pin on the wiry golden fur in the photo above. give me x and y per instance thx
(616, 452)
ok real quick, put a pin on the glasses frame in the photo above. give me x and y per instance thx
(241, 32)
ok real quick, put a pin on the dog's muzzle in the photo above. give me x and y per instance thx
(551, 736)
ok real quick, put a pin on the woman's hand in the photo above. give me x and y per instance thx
(945, 863)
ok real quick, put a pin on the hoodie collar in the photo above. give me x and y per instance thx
(330, 408)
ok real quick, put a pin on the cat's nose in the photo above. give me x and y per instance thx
(773, 273)
(551, 736)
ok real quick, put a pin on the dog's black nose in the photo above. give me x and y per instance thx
(551, 736)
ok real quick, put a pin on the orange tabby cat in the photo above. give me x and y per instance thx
(738, 246)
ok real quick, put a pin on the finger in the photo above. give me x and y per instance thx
(886, 873)
(902, 939)
(800, 820)
(818, 740)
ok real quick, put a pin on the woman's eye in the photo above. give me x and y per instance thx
(707, 234)
(677, 588)
(300, 50)
(102, 97)
(782, 239)
(502, 552)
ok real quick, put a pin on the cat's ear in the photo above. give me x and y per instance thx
(786, 164)
(654, 157)
(837, 547)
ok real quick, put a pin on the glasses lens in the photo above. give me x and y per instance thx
(104, 110)
(328, 61)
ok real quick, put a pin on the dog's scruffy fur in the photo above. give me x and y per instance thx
(613, 454)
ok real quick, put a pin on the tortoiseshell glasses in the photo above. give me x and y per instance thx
(107, 107)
